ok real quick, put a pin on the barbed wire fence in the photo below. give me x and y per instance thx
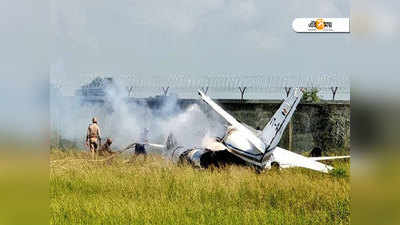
(330, 86)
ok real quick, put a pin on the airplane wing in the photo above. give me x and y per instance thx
(145, 143)
(221, 111)
(273, 131)
(256, 132)
(287, 159)
(328, 158)
(156, 145)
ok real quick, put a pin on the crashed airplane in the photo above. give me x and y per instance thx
(245, 145)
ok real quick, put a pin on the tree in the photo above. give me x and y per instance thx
(311, 95)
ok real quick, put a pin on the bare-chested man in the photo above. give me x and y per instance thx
(93, 138)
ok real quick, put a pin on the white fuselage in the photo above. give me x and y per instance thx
(245, 145)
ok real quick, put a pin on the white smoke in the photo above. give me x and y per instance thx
(124, 119)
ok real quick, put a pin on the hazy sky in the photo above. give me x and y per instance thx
(193, 37)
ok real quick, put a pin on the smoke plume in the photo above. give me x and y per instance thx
(124, 119)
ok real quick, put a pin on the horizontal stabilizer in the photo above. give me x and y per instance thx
(329, 158)
(287, 159)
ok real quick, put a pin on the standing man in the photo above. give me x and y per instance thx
(93, 139)
(140, 149)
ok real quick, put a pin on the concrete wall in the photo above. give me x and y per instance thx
(325, 124)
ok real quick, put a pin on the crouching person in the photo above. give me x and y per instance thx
(105, 149)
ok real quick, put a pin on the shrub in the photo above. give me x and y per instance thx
(311, 95)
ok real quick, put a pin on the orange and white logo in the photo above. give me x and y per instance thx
(320, 24)
(312, 25)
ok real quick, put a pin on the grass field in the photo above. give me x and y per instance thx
(156, 192)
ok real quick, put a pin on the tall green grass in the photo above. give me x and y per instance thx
(156, 192)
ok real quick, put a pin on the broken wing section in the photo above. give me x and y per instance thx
(221, 111)
(273, 131)
(287, 159)
(156, 145)
(170, 143)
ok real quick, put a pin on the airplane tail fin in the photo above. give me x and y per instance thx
(273, 131)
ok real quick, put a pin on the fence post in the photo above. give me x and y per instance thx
(334, 90)
(242, 92)
(287, 90)
(204, 89)
(290, 125)
(165, 90)
(130, 90)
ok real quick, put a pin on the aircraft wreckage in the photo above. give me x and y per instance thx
(245, 145)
